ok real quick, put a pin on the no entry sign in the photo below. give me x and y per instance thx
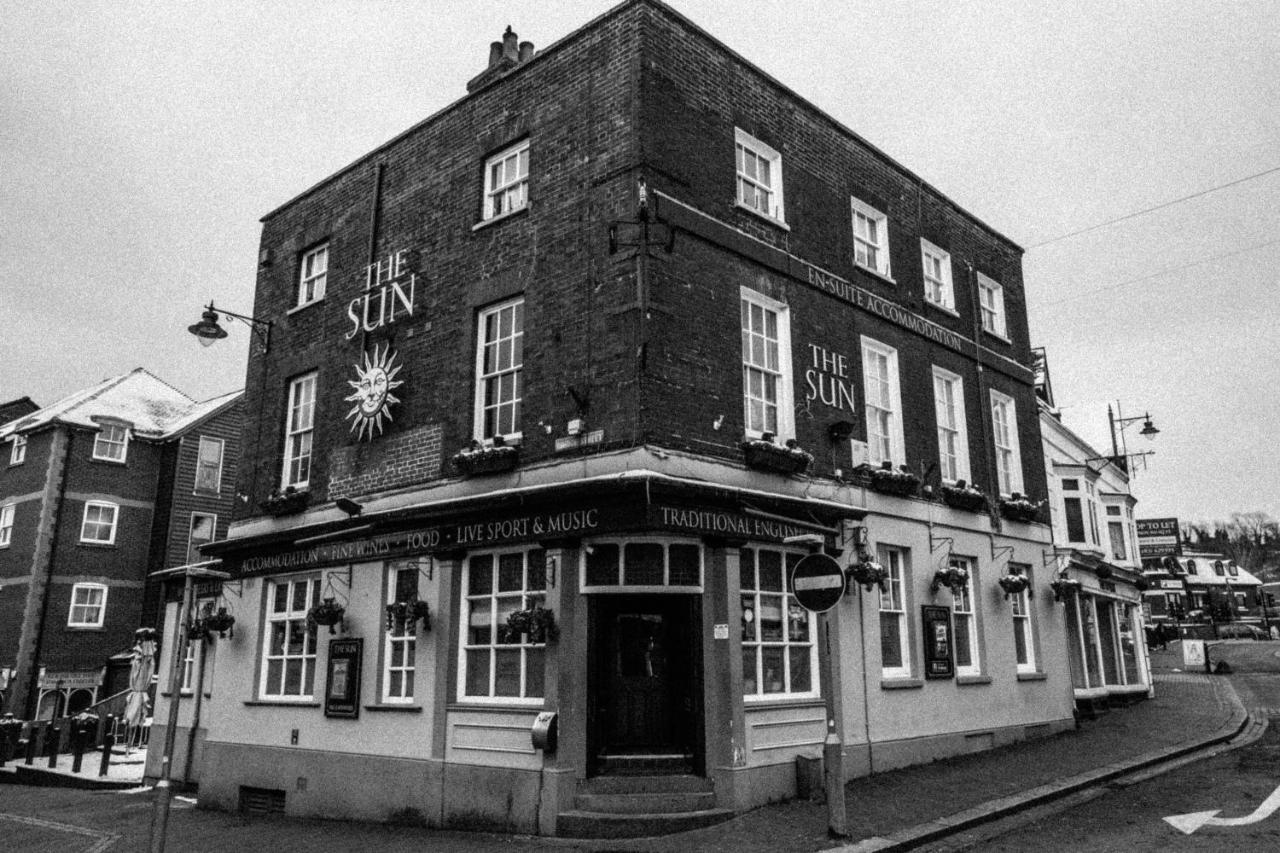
(818, 582)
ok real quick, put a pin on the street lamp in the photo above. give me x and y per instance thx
(207, 330)
(1148, 432)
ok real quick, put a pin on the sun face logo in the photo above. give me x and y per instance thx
(372, 395)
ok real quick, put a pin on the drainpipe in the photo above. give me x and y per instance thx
(33, 678)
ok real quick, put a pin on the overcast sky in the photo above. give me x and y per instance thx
(141, 142)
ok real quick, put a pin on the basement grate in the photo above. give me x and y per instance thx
(261, 801)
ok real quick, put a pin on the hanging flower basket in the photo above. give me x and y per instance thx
(965, 497)
(890, 482)
(197, 631)
(285, 502)
(402, 614)
(537, 622)
(1019, 508)
(1062, 587)
(1142, 584)
(222, 622)
(1014, 584)
(952, 578)
(486, 459)
(1103, 572)
(327, 612)
(868, 574)
(763, 455)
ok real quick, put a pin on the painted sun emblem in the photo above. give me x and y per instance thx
(372, 395)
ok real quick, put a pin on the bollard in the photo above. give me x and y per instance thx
(55, 741)
(81, 728)
(108, 741)
(38, 733)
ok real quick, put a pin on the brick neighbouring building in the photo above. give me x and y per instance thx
(565, 259)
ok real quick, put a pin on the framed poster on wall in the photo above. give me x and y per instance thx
(939, 657)
(342, 684)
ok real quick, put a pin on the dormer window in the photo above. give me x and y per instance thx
(111, 443)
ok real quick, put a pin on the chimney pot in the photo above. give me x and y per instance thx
(526, 51)
(495, 53)
(509, 45)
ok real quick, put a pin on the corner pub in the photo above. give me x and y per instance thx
(562, 383)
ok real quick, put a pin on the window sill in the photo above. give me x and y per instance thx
(972, 679)
(71, 627)
(280, 703)
(402, 709)
(120, 462)
(997, 336)
(774, 221)
(885, 277)
(901, 684)
(295, 309)
(938, 306)
(528, 706)
(501, 217)
(93, 544)
(756, 703)
(206, 493)
(1034, 676)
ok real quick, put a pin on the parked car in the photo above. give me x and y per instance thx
(1237, 631)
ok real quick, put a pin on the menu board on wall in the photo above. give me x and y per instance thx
(939, 659)
(342, 686)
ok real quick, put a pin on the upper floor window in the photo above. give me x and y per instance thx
(991, 305)
(870, 238)
(111, 442)
(289, 640)
(759, 176)
(953, 439)
(779, 656)
(209, 465)
(400, 649)
(99, 525)
(937, 276)
(313, 274)
(506, 180)
(204, 527)
(1004, 423)
(17, 449)
(6, 525)
(499, 371)
(88, 605)
(895, 653)
(883, 403)
(496, 662)
(966, 620)
(1115, 531)
(766, 366)
(1073, 506)
(299, 427)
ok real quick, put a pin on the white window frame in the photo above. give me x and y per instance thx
(1020, 609)
(754, 339)
(786, 643)
(938, 288)
(100, 523)
(97, 609)
(209, 441)
(509, 193)
(499, 604)
(748, 187)
(17, 449)
(399, 644)
(965, 605)
(6, 524)
(300, 419)
(1008, 453)
(189, 666)
(951, 423)
(894, 604)
(313, 274)
(106, 445)
(897, 447)
(590, 582)
(509, 362)
(991, 307)
(863, 243)
(293, 616)
(193, 555)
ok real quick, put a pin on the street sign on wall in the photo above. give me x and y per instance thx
(1158, 537)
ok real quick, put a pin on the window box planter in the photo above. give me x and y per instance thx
(537, 622)
(952, 578)
(285, 502)
(763, 455)
(1018, 508)
(402, 614)
(328, 612)
(869, 574)
(1014, 584)
(965, 497)
(482, 459)
(890, 482)
(1062, 587)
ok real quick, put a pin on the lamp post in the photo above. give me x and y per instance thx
(164, 792)
(1148, 431)
(208, 331)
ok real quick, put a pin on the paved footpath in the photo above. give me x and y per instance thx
(895, 810)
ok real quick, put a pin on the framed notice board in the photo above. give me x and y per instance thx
(939, 657)
(342, 684)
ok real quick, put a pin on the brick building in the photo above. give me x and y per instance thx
(96, 491)
(619, 336)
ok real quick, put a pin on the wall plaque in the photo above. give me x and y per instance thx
(342, 686)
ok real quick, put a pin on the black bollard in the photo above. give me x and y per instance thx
(77, 749)
(38, 733)
(108, 741)
(55, 742)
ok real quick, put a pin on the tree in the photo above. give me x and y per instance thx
(1251, 539)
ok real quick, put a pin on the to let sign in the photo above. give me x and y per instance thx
(817, 582)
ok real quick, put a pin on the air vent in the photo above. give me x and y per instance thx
(261, 801)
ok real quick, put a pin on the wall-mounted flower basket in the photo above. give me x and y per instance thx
(197, 631)
(402, 614)
(763, 455)
(328, 612)
(1062, 587)
(482, 459)
(222, 622)
(869, 574)
(1018, 508)
(285, 502)
(1103, 572)
(965, 497)
(1014, 584)
(952, 578)
(1142, 584)
(890, 482)
(537, 622)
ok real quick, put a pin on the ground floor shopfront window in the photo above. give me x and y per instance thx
(779, 657)
(497, 662)
(1102, 643)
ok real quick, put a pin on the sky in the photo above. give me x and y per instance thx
(141, 142)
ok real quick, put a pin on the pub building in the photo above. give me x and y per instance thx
(562, 383)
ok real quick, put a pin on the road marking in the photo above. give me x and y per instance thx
(102, 840)
(1189, 823)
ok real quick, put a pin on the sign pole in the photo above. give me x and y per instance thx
(833, 746)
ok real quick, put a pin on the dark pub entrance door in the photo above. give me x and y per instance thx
(644, 694)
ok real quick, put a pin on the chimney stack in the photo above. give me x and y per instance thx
(509, 49)
(495, 53)
(503, 56)
(526, 51)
